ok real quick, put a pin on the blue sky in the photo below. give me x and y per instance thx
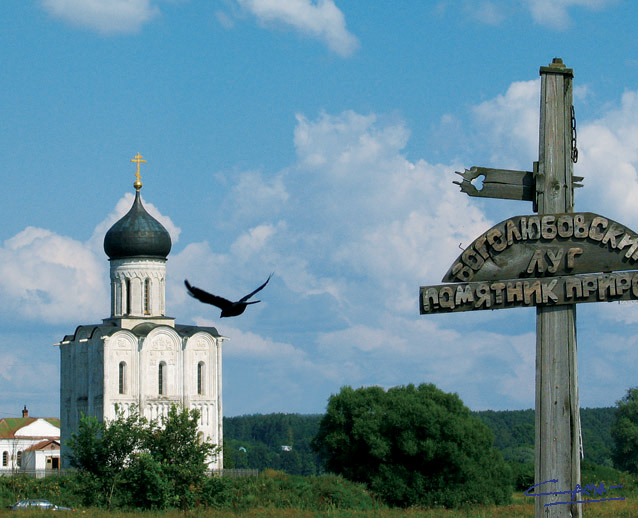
(317, 139)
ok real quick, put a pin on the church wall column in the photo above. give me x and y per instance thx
(117, 303)
(162, 296)
(126, 295)
(137, 297)
(156, 303)
(220, 416)
(186, 361)
(113, 297)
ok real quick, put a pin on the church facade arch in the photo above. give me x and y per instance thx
(161, 361)
(121, 371)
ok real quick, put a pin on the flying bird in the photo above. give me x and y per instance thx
(229, 309)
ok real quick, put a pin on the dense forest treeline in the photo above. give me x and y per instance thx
(282, 441)
(514, 433)
(272, 441)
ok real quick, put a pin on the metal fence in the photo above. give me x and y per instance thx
(36, 473)
(234, 473)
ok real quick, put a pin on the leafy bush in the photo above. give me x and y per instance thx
(522, 475)
(145, 485)
(61, 490)
(277, 490)
(130, 462)
(625, 432)
(413, 446)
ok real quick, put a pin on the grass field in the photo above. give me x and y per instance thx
(522, 507)
(274, 494)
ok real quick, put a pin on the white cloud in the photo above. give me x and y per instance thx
(253, 242)
(370, 226)
(250, 346)
(224, 20)
(358, 337)
(554, 13)
(29, 372)
(104, 16)
(403, 350)
(45, 276)
(357, 228)
(508, 124)
(8, 365)
(364, 226)
(608, 155)
(254, 196)
(54, 278)
(320, 19)
(385, 217)
(608, 159)
(486, 12)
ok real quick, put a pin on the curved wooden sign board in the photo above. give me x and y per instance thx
(550, 245)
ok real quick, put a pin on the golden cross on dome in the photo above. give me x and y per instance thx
(138, 181)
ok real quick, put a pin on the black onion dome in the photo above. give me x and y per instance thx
(137, 234)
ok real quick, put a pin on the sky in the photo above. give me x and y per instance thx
(316, 139)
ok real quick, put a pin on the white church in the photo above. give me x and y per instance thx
(139, 356)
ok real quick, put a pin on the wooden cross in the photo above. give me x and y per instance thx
(545, 252)
(138, 181)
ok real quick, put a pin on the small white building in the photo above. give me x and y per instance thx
(29, 443)
(139, 356)
(42, 457)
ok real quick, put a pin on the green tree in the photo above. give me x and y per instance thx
(131, 462)
(100, 451)
(412, 446)
(145, 484)
(624, 432)
(183, 455)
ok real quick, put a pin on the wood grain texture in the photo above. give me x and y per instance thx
(557, 409)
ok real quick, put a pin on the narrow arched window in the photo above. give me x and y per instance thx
(161, 377)
(5, 458)
(147, 297)
(19, 459)
(128, 297)
(122, 378)
(200, 378)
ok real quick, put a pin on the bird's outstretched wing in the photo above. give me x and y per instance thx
(208, 298)
(244, 299)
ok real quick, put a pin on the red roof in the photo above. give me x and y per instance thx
(44, 445)
(10, 425)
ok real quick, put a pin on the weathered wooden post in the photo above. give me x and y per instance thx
(557, 450)
(553, 260)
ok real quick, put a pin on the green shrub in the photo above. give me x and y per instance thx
(277, 490)
(412, 446)
(217, 493)
(144, 485)
(61, 490)
(522, 475)
(335, 492)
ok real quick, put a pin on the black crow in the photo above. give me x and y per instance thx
(229, 309)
